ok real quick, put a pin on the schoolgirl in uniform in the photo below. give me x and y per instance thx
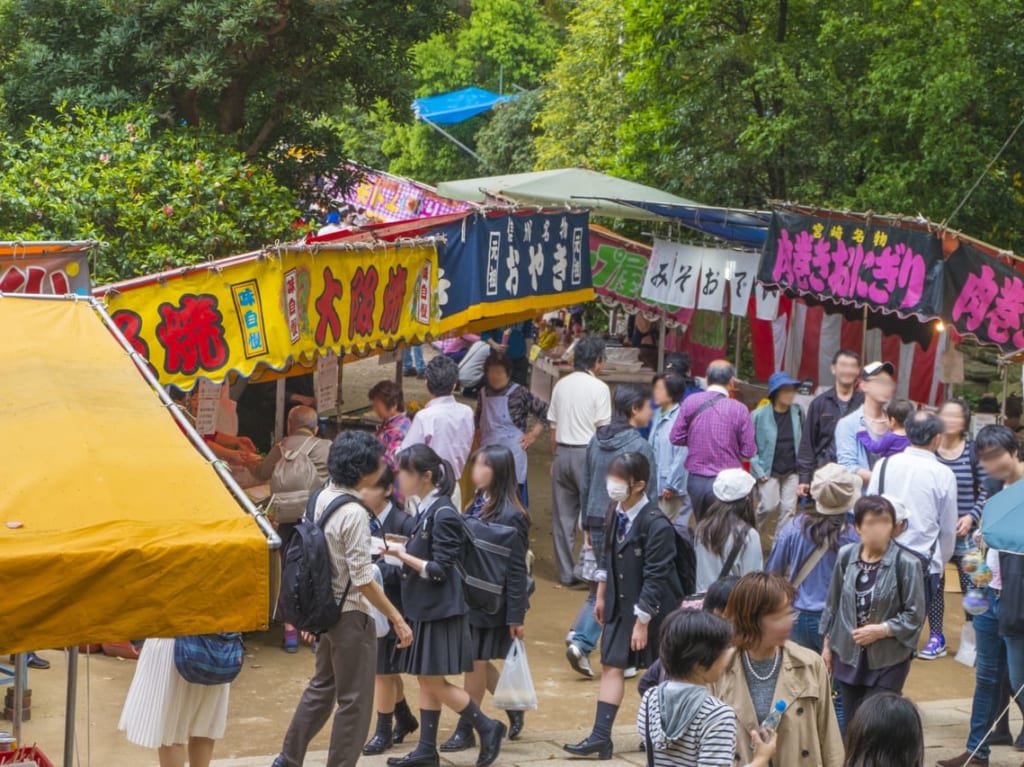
(637, 586)
(434, 603)
(497, 500)
(394, 718)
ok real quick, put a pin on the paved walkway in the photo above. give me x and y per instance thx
(944, 721)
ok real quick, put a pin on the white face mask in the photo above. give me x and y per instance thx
(618, 490)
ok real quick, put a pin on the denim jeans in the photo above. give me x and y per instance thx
(988, 673)
(586, 631)
(805, 633)
(412, 358)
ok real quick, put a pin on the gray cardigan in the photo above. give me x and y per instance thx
(898, 601)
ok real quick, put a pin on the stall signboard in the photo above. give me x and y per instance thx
(387, 198)
(883, 266)
(57, 274)
(619, 268)
(497, 265)
(276, 308)
(985, 297)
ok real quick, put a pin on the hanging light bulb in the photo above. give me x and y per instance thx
(940, 327)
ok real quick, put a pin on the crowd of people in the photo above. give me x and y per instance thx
(772, 570)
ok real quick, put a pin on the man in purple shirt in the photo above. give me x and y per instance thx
(718, 432)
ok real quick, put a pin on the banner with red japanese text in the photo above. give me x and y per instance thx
(986, 298)
(204, 322)
(57, 274)
(893, 269)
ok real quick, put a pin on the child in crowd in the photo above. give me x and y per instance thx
(888, 733)
(726, 539)
(394, 718)
(682, 724)
(637, 585)
(433, 599)
(895, 440)
(497, 500)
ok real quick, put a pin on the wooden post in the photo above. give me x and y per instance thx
(739, 337)
(661, 346)
(279, 413)
(864, 337)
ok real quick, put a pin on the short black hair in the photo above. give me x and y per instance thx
(996, 438)
(922, 427)
(421, 459)
(675, 384)
(899, 410)
(630, 397)
(387, 478)
(678, 362)
(353, 455)
(720, 373)
(965, 411)
(691, 638)
(885, 733)
(717, 595)
(442, 375)
(588, 352)
(846, 353)
(498, 359)
(872, 504)
(632, 467)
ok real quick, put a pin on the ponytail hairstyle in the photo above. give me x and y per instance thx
(504, 487)
(421, 460)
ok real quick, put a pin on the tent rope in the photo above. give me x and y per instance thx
(984, 172)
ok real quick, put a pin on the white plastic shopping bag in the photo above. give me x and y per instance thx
(379, 618)
(968, 649)
(515, 690)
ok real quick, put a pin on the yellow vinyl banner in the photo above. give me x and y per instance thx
(278, 307)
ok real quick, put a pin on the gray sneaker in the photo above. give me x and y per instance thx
(579, 661)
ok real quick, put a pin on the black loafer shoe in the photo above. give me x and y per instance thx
(461, 740)
(490, 745)
(516, 720)
(378, 744)
(591, 747)
(416, 759)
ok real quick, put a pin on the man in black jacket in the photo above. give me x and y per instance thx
(818, 445)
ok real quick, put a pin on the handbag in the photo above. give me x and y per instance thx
(587, 566)
(209, 659)
(515, 690)
(696, 601)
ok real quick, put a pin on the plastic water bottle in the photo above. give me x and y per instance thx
(771, 722)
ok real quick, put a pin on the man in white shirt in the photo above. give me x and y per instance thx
(444, 424)
(580, 403)
(928, 490)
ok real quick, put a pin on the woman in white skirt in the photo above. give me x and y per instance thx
(165, 712)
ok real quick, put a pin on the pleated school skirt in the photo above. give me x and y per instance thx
(390, 659)
(615, 644)
(162, 709)
(439, 648)
(490, 643)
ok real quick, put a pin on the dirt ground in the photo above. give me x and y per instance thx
(264, 697)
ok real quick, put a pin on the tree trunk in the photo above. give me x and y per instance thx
(231, 105)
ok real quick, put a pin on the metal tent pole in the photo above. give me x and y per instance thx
(661, 346)
(20, 662)
(71, 707)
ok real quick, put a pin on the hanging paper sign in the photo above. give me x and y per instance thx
(56, 274)
(659, 272)
(885, 267)
(712, 279)
(685, 277)
(326, 382)
(986, 298)
(208, 395)
(742, 268)
(767, 302)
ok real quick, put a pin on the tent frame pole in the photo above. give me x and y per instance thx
(20, 673)
(455, 141)
(661, 345)
(70, 707)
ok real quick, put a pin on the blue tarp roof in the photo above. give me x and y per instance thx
(745, 227)
(454, 107)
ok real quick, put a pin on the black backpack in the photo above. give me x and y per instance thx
(685, 560)
(307, 595)
(484, 568)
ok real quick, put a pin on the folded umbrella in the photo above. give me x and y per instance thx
(1002, 522)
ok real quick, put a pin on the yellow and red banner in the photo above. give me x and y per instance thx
(277, 307)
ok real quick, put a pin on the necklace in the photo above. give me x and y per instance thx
(750, 666)
(866, 569)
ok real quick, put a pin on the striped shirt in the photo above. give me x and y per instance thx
(709, 741)
(348, 539)
(967, 501)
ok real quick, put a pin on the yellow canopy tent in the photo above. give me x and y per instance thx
(112, 525)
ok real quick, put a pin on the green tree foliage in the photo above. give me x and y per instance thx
(262, 71)
(868, 104)
(499, 44)
(157, 197)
